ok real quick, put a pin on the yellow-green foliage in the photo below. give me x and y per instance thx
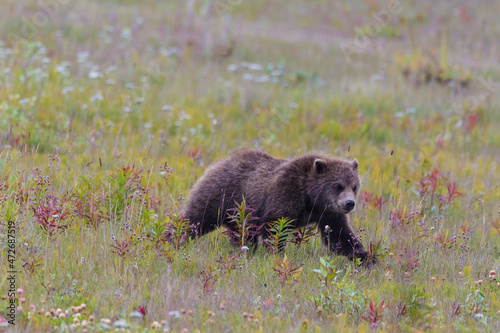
(110, 111)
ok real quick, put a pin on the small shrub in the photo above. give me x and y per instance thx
(179, 230)
(51, 217)
(209, 277)
(242, 230)
(123, 185)
(287, 270)
(339, 293)
(374, 314)
(226, 263)
(280, 232)
(302, 235)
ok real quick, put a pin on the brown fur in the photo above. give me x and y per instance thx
(308, 189)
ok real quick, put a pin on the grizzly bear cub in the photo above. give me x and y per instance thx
(308, 189)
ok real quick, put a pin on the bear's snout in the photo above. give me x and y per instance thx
(349, 205)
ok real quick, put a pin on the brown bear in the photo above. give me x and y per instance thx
(309, 189)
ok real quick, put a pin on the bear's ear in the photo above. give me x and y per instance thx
(319, 165)
(355, 164)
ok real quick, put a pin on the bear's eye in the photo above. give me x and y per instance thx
(354, 188)
(339, 188)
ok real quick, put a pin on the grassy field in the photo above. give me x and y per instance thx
(110, 111)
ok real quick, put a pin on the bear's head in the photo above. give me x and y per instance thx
(335, 184)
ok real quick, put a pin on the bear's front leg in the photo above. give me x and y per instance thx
(338, 235)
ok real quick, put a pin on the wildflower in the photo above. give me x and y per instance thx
(155, 325)
(262, 78)
(110, 69)
(136, 314)
(166, 108)
(183, 116)
(173, 51)
(96, 97)
(493, 274)
(120, 323)
(82, 56)
(175, 314)
(66, 90)
(95, 74)
(248, 77)
(252, 67)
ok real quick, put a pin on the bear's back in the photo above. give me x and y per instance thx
(244, 174)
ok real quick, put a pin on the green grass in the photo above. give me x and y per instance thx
(110, 111)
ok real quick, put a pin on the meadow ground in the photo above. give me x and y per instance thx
(110, 110)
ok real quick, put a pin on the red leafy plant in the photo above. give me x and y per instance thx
(375, 253)
(302, 235)
(209, 277)
(32, 261)
(50, 216)
(285, 270)
(122, 247)
(227, 263)
(399, 217)
(371, 201)
(451, 195)
(496, 226)
(374, 313)
(444, 241)
(242, 227)
(430, 184)
(91, 208)
(142, 309)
